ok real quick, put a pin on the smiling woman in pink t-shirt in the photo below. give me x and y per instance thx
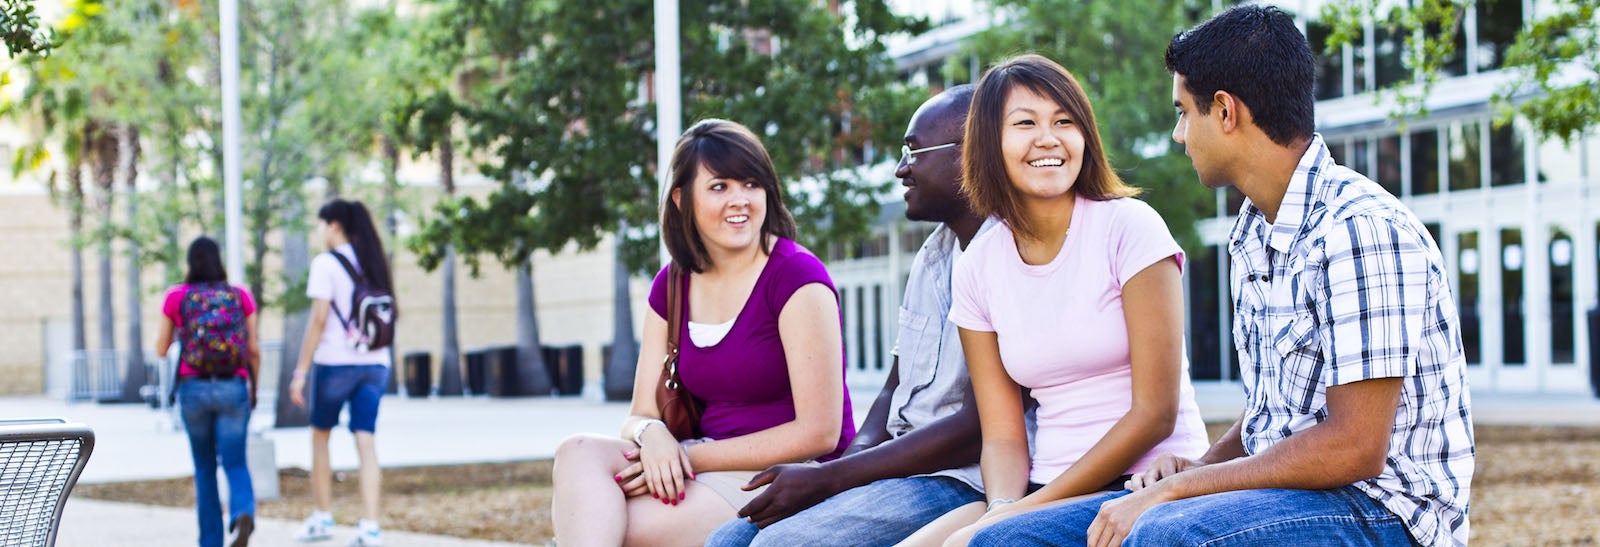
(1076, 297)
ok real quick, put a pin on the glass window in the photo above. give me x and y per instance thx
(1425, 162)
(1387, 171)
(1506, 157)
(1456, 63)
(1358, 158)
(1560, 162)
(1562, 306)
(1465, 153)
(1387, 48)
(1340, 154)
(1511, 266)
(1467, 267)
(1498, 23)
(1358, 63)
(1330, 65)
(1235, 201)
(1205, 298)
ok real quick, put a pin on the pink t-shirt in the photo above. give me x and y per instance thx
(174, 298)
(1062, 331)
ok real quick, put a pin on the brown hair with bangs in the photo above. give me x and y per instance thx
(983, 166)
(729, 151)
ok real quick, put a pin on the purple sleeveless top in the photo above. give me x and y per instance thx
(744, 379)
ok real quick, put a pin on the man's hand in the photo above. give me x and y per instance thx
(1117, 516)
(793, 487)
(1165, 466)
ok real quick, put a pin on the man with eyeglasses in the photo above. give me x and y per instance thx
(915, 457)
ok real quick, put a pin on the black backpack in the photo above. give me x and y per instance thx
(372, 314)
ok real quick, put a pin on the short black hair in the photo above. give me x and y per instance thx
(1257, 54)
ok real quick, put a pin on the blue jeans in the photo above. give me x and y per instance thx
(360, 385)
(216, 414)
(880, 513)
(1341, 516)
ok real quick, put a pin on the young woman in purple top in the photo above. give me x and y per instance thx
(761, 344)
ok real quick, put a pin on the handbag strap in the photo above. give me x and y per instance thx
(674, 322)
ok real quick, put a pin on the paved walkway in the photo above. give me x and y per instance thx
(94, 523)
(135, 442)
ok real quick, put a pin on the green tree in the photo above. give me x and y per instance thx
(1116, 49)
(566, 123)
(20, 29)
(1555, 57)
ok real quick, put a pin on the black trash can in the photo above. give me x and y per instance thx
(552, 365)
(565, 364)
(477, 371)
(1594, 351)
(502, 374)
(419, 374)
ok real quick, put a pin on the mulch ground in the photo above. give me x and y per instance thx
(1534, 486)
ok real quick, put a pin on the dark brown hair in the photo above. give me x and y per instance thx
(729, 151)
(983, 166)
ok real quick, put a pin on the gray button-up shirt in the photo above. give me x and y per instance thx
(933, 369)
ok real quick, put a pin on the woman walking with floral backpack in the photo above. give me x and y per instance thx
(347, 338)
(219, 359)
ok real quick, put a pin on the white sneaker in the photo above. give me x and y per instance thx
(367, 535)
(317, 527)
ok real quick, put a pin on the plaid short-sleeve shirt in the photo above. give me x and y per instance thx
(1346, 286)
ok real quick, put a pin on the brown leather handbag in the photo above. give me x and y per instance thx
(679, 409)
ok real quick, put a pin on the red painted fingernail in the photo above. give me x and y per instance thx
(665, 502)
(617, 478)
(680, 495)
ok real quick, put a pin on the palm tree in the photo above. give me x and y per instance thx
(104, 154)
(135, 376)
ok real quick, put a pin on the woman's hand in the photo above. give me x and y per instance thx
(664, 464)
(297, 389)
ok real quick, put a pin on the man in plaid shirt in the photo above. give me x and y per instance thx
(1357, 428)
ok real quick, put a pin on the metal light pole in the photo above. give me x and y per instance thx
(232, 194)
(669, 98)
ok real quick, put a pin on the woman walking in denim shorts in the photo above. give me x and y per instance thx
(216, 326)
(346, 371)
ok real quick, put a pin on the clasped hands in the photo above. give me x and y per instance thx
(659, 467)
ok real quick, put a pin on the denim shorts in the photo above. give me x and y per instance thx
(360, 385)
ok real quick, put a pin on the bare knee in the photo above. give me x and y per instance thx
(584, 450)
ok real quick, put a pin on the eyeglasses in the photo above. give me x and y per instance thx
(910, 156)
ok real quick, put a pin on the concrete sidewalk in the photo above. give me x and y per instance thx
(134, 442)
(94, 523)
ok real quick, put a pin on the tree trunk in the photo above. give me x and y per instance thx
(391, 189)
(75, 225)
(296, 262)
(531, 372)
(135, 376)
(105, 167)
(619, 372)
(450, 353)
